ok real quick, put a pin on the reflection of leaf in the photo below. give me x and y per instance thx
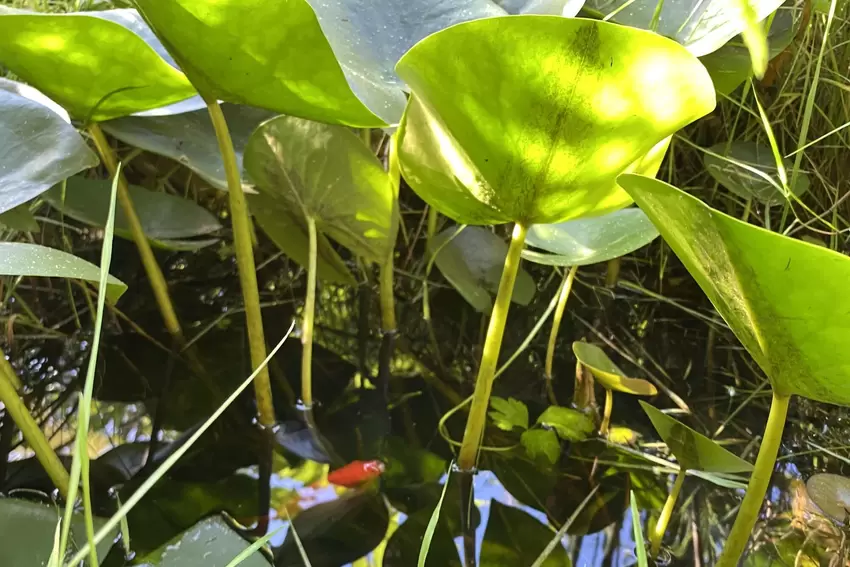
(507, 414)
(541, 443)
(514, 537)
(608, 374)
(568, 423)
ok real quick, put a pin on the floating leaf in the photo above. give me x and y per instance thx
(327, 173)
(507, 414)
(578, 102)
(24, 259)
(608, 374)
(568, 423)
(514, 537)
(693, 450)
(289, 67)
(472, 262)
(163, 216)
(831, 493)
(19, 218)
(47, 148)
(93, 67)
(746, 183)
(763, 284)
(592, 240)
(541, 443)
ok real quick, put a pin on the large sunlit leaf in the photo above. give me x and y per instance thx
(514, 537)
(692, 449)
(24, 259)
(784, 299)
(702, 26)
(608, 374)
(569, 424)
(472, 262)
(732, 173)
(591, 240)
(327, 173)
(94, 68)
(831, 493)
(544, 112)
(266, 54)
(40, 147)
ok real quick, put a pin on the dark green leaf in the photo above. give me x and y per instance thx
(831, 493)
(608, 374)
(403, 547)
(569, 424)
(507, 414)
(513, 538)
(19, 218)
(541, 443)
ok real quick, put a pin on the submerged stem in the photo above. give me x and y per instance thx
(307, 317)
(242, 241)
(489, 359)
(759, 481)
(606, 413)
(666, 514)
(564, 294)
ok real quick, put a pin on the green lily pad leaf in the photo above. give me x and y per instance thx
(794, 325)
(507, 414)
(27, 530)
(514, 537)
(744, 182)
(831, 493)
(24, 259)
(568, 423)
(47, 149)
(94, 68)
(590, 241)
(163, 216)
(19, 218)
(189, 138)
(473, 261)
(327, 173)
(701, 26)
(209, 543)
(541, 443)
(608, 374)
(579, 101)
(289, 68)
(693, 450)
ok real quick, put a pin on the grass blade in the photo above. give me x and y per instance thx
(561, 532)
(432, 523)
(246, 553)
(755, 37)
(298, 543)
(640, 546)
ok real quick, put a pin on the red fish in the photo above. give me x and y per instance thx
(356, 473)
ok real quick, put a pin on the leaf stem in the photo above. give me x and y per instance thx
(489, 359)
(307, 318)
(564, 294)
(759, 482)
(247, 268)
(606, 413)
(666, 514)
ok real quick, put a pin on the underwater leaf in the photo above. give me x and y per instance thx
(783, 298)
(24, 259)
(745, 183)
(608, 374)
(541, 443)
(507, 414)
(19, 218)
(579, 101)
(592, 240)
(96, 69)
(289, 67)
(513, 537)
(831, 493)
(472, 262)
(325, 172)
(568, 423)
(693, 450)
(46, 148)
(163, 216)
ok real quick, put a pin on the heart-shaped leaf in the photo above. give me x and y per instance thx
(472, 262)
(514, 537)
(327, 173)
(19, 218)
(46, 148)
(93, 67)
(735, 171)
(592, 240)
(508, 414)
(289, 67)
(784, 299)
(831, 493)
(568, 423)
(543, 114)
(608, 374)
(24, 259)
(693, 450)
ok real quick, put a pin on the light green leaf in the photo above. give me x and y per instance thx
(753, 35)
(24, 259)
(568, 423)
(289, 67)
(831, 493)
(784, 299)
(744, 182)
(19, 218)
(608, 374)
(472, 262)
(325, 172)
(514, 537)
(541, 443)
(543, 114)
(41, 148)
(94, 68)
(508, 414)
(692, 449)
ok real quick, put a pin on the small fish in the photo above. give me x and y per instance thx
(356, 473)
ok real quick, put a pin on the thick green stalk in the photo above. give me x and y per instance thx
(490, 357)
(564, 294)
(759, 482)
(247, 268)
(307, 318)
(33, 435)
(666, 514)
